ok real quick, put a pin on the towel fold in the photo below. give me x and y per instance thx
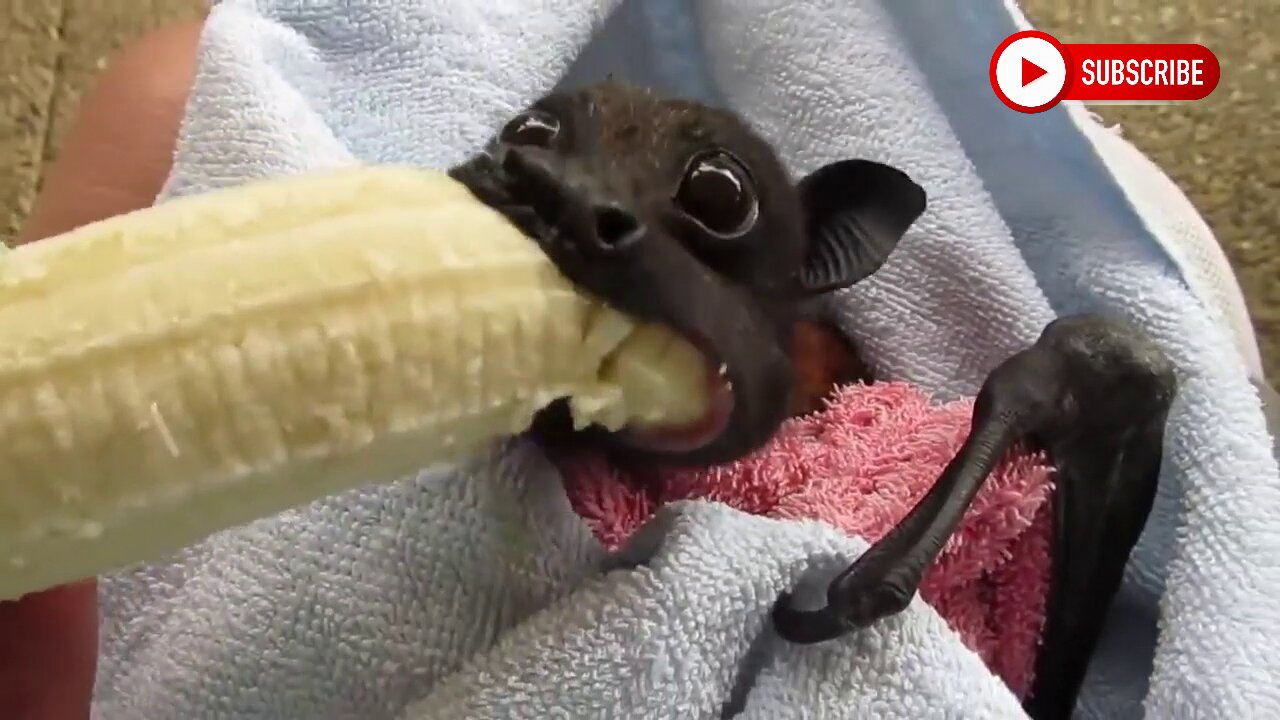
(860, 464)
(478, 592)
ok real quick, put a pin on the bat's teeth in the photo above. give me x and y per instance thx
(723, 375)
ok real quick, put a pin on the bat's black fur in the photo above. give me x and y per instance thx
(603, 194)
(680, 213)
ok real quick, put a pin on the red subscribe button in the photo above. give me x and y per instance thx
(1031, 72)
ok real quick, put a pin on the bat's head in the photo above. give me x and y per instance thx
(680, 213)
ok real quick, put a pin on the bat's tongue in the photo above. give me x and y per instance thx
(682, 438)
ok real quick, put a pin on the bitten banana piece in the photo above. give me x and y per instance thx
(212, 360)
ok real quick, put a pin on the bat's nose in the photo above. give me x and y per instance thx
(615, 226)
(572, 200)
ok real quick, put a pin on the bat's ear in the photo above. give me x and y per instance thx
(856, 211)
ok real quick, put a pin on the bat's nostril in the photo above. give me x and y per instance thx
(616, 227)
(515, 162)
(534, 179)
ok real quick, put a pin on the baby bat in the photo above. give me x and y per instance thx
(680, 213)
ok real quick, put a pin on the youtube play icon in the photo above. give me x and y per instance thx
(1029, 72)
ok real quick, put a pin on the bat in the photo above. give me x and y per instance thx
(678, 212)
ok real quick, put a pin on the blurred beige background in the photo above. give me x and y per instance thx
(1224, 151)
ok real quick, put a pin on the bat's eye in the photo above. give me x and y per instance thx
(717, 193)
(533, 128)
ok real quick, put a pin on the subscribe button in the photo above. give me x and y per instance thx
(1031, 72)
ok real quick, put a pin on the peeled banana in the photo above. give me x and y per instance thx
(200, 364)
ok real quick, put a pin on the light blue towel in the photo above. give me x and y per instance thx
(476, 593)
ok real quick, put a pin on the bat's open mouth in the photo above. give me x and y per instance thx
(690, 436)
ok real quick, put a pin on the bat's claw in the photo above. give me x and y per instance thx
(873, 588)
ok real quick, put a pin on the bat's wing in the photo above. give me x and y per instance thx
(1105, 485)
(1094, 394)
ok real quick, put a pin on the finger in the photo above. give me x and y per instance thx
(114, 159)
(48, 653)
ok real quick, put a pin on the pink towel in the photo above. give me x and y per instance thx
(860, 464)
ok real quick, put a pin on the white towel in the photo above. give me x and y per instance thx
(477, 592)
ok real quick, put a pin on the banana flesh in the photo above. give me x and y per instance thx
(212, 360)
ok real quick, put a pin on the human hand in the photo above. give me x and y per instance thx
(114, 159)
